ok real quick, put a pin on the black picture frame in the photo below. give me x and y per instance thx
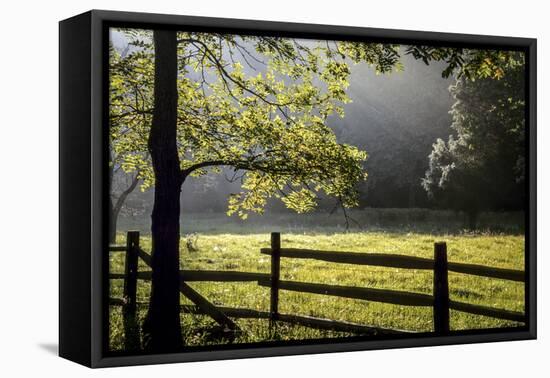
(83, 226)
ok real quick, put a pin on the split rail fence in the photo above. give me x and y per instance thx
(439, 301)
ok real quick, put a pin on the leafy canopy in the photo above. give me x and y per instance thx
(469, 63)
(256, 104)
(131, 83)
(482, 164)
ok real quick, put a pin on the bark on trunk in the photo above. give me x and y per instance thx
(162, 329)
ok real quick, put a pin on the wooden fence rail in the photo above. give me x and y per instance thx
(375, 295)
(440, 266)
(397, 261)
(308, 321)
(439, 300)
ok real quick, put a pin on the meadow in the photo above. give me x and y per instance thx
(241, 252)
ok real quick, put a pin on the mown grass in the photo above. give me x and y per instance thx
(242, 253)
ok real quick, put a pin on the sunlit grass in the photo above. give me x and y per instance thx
(242, 253)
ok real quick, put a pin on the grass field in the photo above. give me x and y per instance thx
(241, 252)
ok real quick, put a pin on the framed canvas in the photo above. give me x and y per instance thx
(233, 188)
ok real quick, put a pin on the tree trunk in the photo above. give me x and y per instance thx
(162, 329)
(117, 206)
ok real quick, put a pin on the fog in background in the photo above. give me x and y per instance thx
(395, 118)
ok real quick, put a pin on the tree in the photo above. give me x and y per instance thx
(481, 166)
(120, 190)
(271, 126)
(130, 104)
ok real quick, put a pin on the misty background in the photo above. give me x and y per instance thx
(395, 118)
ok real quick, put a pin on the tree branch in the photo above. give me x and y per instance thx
(122, 197)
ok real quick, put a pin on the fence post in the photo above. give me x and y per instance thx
(441, 289)
(131, 330)
(275, 274)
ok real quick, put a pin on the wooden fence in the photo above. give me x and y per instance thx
(439, 300)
